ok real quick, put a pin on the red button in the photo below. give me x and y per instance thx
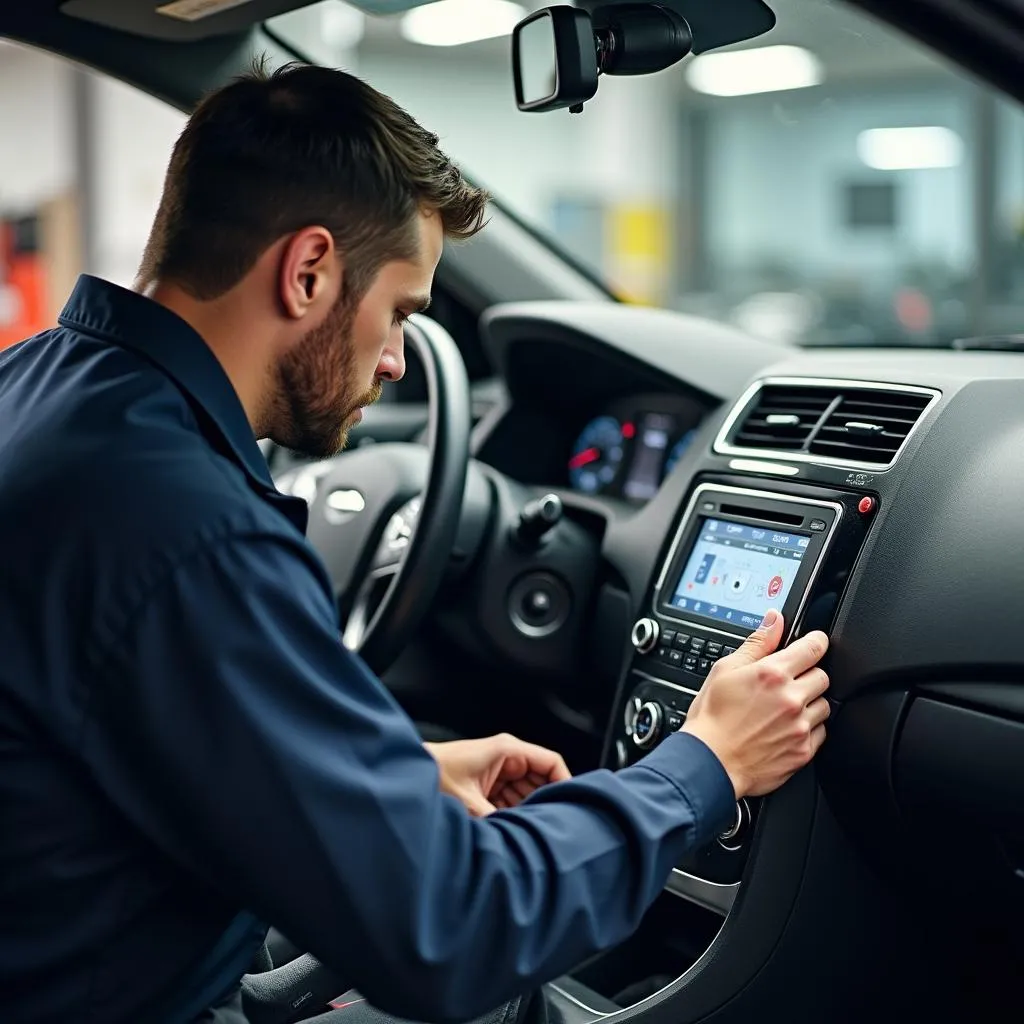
(866, 505)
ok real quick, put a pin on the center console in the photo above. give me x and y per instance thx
(737, 552)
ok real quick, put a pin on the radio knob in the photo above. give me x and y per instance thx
(732, 838)
(644, 635)
(647, 724)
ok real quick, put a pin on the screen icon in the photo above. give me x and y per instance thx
(704, 568)
(737, 582)
(775, 586)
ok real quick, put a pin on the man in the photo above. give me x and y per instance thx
(186, 749)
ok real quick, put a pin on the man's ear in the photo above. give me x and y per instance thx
(310, 273)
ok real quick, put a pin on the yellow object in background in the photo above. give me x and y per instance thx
(638, 251)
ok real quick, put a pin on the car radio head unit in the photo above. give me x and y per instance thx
(739, 553)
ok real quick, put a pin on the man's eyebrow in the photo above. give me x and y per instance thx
(417, 303)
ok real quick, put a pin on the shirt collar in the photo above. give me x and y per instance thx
(138, 323)
(135, 322)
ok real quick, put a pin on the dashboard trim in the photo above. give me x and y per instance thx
(721, 445)
(757, 466)
(715, 896)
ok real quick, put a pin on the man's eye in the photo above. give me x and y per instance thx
(400, 317)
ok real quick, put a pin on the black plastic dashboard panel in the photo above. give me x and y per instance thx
(689, 353)
(962, 765)
(937, 594)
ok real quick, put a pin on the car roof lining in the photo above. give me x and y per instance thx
(987, 38)
(712, 24)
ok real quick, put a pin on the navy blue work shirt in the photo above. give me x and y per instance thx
(188, 753)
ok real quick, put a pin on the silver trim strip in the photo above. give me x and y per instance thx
(715, 896)
(756, 466)
(722, 447)
(569, 997)
(688, 515)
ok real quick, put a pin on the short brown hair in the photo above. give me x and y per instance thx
(269, 154)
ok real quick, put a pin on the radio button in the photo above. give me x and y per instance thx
(690, 663)
(682, 641)
(644, 635)
(713, 650)
(667, 636)
(704, 665)
(675, 658)
(674, 721)
(726, 651)
(697, 644)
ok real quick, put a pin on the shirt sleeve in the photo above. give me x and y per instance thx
(233, 728)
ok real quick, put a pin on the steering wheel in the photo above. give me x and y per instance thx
(385, 516)
(384, 519)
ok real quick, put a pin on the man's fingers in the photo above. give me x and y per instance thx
(817, 712)
(763, 641)
(817, 738)
(477, 804)
(527, 760)
(804, 653)
(523, 787)
(812, 684)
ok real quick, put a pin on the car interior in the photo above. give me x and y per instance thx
(574, 504)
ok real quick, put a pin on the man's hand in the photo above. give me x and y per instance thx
(761, 710)
(499, 771)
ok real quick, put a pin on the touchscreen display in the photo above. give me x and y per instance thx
(735, 573)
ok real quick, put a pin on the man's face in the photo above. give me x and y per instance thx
(340, 365)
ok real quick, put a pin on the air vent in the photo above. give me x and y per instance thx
(782, 418)
(868, 426)
(842, 422)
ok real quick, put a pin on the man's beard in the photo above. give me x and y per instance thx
(317, 395)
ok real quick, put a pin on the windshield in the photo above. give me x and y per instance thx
(831, 182)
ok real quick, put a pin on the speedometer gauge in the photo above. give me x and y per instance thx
(679, 451)
(596, 456)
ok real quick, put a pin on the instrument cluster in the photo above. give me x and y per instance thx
(629, 449)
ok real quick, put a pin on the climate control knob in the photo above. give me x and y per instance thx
(732, 838)
(644, 635)
(647, 724)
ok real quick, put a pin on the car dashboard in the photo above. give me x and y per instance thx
(871, 494)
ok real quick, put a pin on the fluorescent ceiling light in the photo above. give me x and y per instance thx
(910, 149)
(764, 69)
(341, 26)
(454, 22)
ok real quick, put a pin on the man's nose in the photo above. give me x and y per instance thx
(392, 361)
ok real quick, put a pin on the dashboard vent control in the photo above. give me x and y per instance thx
(782, 418)
(844, 423)
(868, 426)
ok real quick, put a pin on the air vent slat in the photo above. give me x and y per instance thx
(855, 424)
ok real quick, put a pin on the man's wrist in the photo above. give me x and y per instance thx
(740, 784)
(699, 775)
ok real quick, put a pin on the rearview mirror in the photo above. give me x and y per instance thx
(553, 59)
(559, 52)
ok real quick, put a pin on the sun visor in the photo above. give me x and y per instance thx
(178, 20)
